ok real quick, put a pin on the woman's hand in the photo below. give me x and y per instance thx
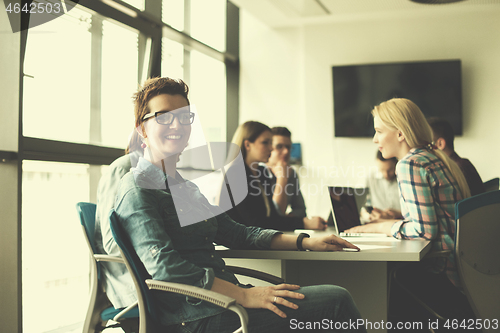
(375, 215)
(378, 215)
(383, 227)
(268, 297)
(280, 169)
(327, 243)
(392, 214)
(315, 223)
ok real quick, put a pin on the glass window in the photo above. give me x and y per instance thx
(208, 22)
(119, 82)
(55, 257)
(172, 59)
(57, 93)
(173, 13)
(208, 92)
(65, 59)
(56, 97)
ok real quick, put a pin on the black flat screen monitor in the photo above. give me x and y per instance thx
(435, 86)
(296, 153)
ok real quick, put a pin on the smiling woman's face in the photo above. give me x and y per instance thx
(167, 140)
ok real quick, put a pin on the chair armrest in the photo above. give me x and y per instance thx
(192, 291)
(124, 311)
(256, 274)
(106, 257)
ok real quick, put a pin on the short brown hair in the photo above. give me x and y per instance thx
(134, 143)
(442, 129)
(154, 87)
(283, 131)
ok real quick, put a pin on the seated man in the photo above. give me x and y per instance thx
(443, 138)
(284, 179)
(383, 198)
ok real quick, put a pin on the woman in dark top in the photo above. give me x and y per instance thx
(257, 208)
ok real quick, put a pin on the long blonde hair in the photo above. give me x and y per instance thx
(404, 115)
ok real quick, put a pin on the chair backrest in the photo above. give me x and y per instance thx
(147, 306)
(98, 300)
(86, 211)
(478, 252)
(492, 184)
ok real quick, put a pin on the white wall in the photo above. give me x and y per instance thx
(292, 67)
(270, 73)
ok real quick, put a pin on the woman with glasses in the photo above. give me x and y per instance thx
(257, 209)
(151, 204)
(430, 184)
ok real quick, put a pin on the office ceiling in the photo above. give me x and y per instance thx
(281, 13)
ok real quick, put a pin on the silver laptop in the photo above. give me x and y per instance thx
(345, 201)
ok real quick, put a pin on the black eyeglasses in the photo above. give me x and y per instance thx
(167, 117)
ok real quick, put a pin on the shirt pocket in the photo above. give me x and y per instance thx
(186, 220)
(174, 213)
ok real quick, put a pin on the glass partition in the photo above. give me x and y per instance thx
(55, 257)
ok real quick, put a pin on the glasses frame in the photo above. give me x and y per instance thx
(174, 115)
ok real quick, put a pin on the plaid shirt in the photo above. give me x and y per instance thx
(428, 196)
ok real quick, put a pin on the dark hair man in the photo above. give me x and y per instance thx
(443, 138)
(285, 180)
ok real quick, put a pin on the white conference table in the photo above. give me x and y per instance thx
(365, 274)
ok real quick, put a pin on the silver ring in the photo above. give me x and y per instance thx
(274, 300)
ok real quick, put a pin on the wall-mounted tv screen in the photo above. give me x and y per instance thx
(435, 86)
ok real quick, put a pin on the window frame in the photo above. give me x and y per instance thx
(30, 148)
(153, 28)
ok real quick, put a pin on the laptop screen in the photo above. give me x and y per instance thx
(345, 209)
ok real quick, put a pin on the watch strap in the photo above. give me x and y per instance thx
(301, 237)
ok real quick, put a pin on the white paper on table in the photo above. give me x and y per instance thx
(371, 239)
(307, 231)
(364, 247)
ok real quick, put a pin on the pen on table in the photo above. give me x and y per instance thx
(348, 249)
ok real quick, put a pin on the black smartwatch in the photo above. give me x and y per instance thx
(301, 236)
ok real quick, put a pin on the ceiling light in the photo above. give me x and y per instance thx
(435, 2)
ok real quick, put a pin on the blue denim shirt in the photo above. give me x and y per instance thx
(169, 252)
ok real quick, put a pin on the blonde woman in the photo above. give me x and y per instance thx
(258, 209)
(430, 184)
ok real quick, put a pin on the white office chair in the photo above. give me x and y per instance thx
(478, 254)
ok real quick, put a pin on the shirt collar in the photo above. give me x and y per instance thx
(454, 156)
(413, 151)
(154, 174)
